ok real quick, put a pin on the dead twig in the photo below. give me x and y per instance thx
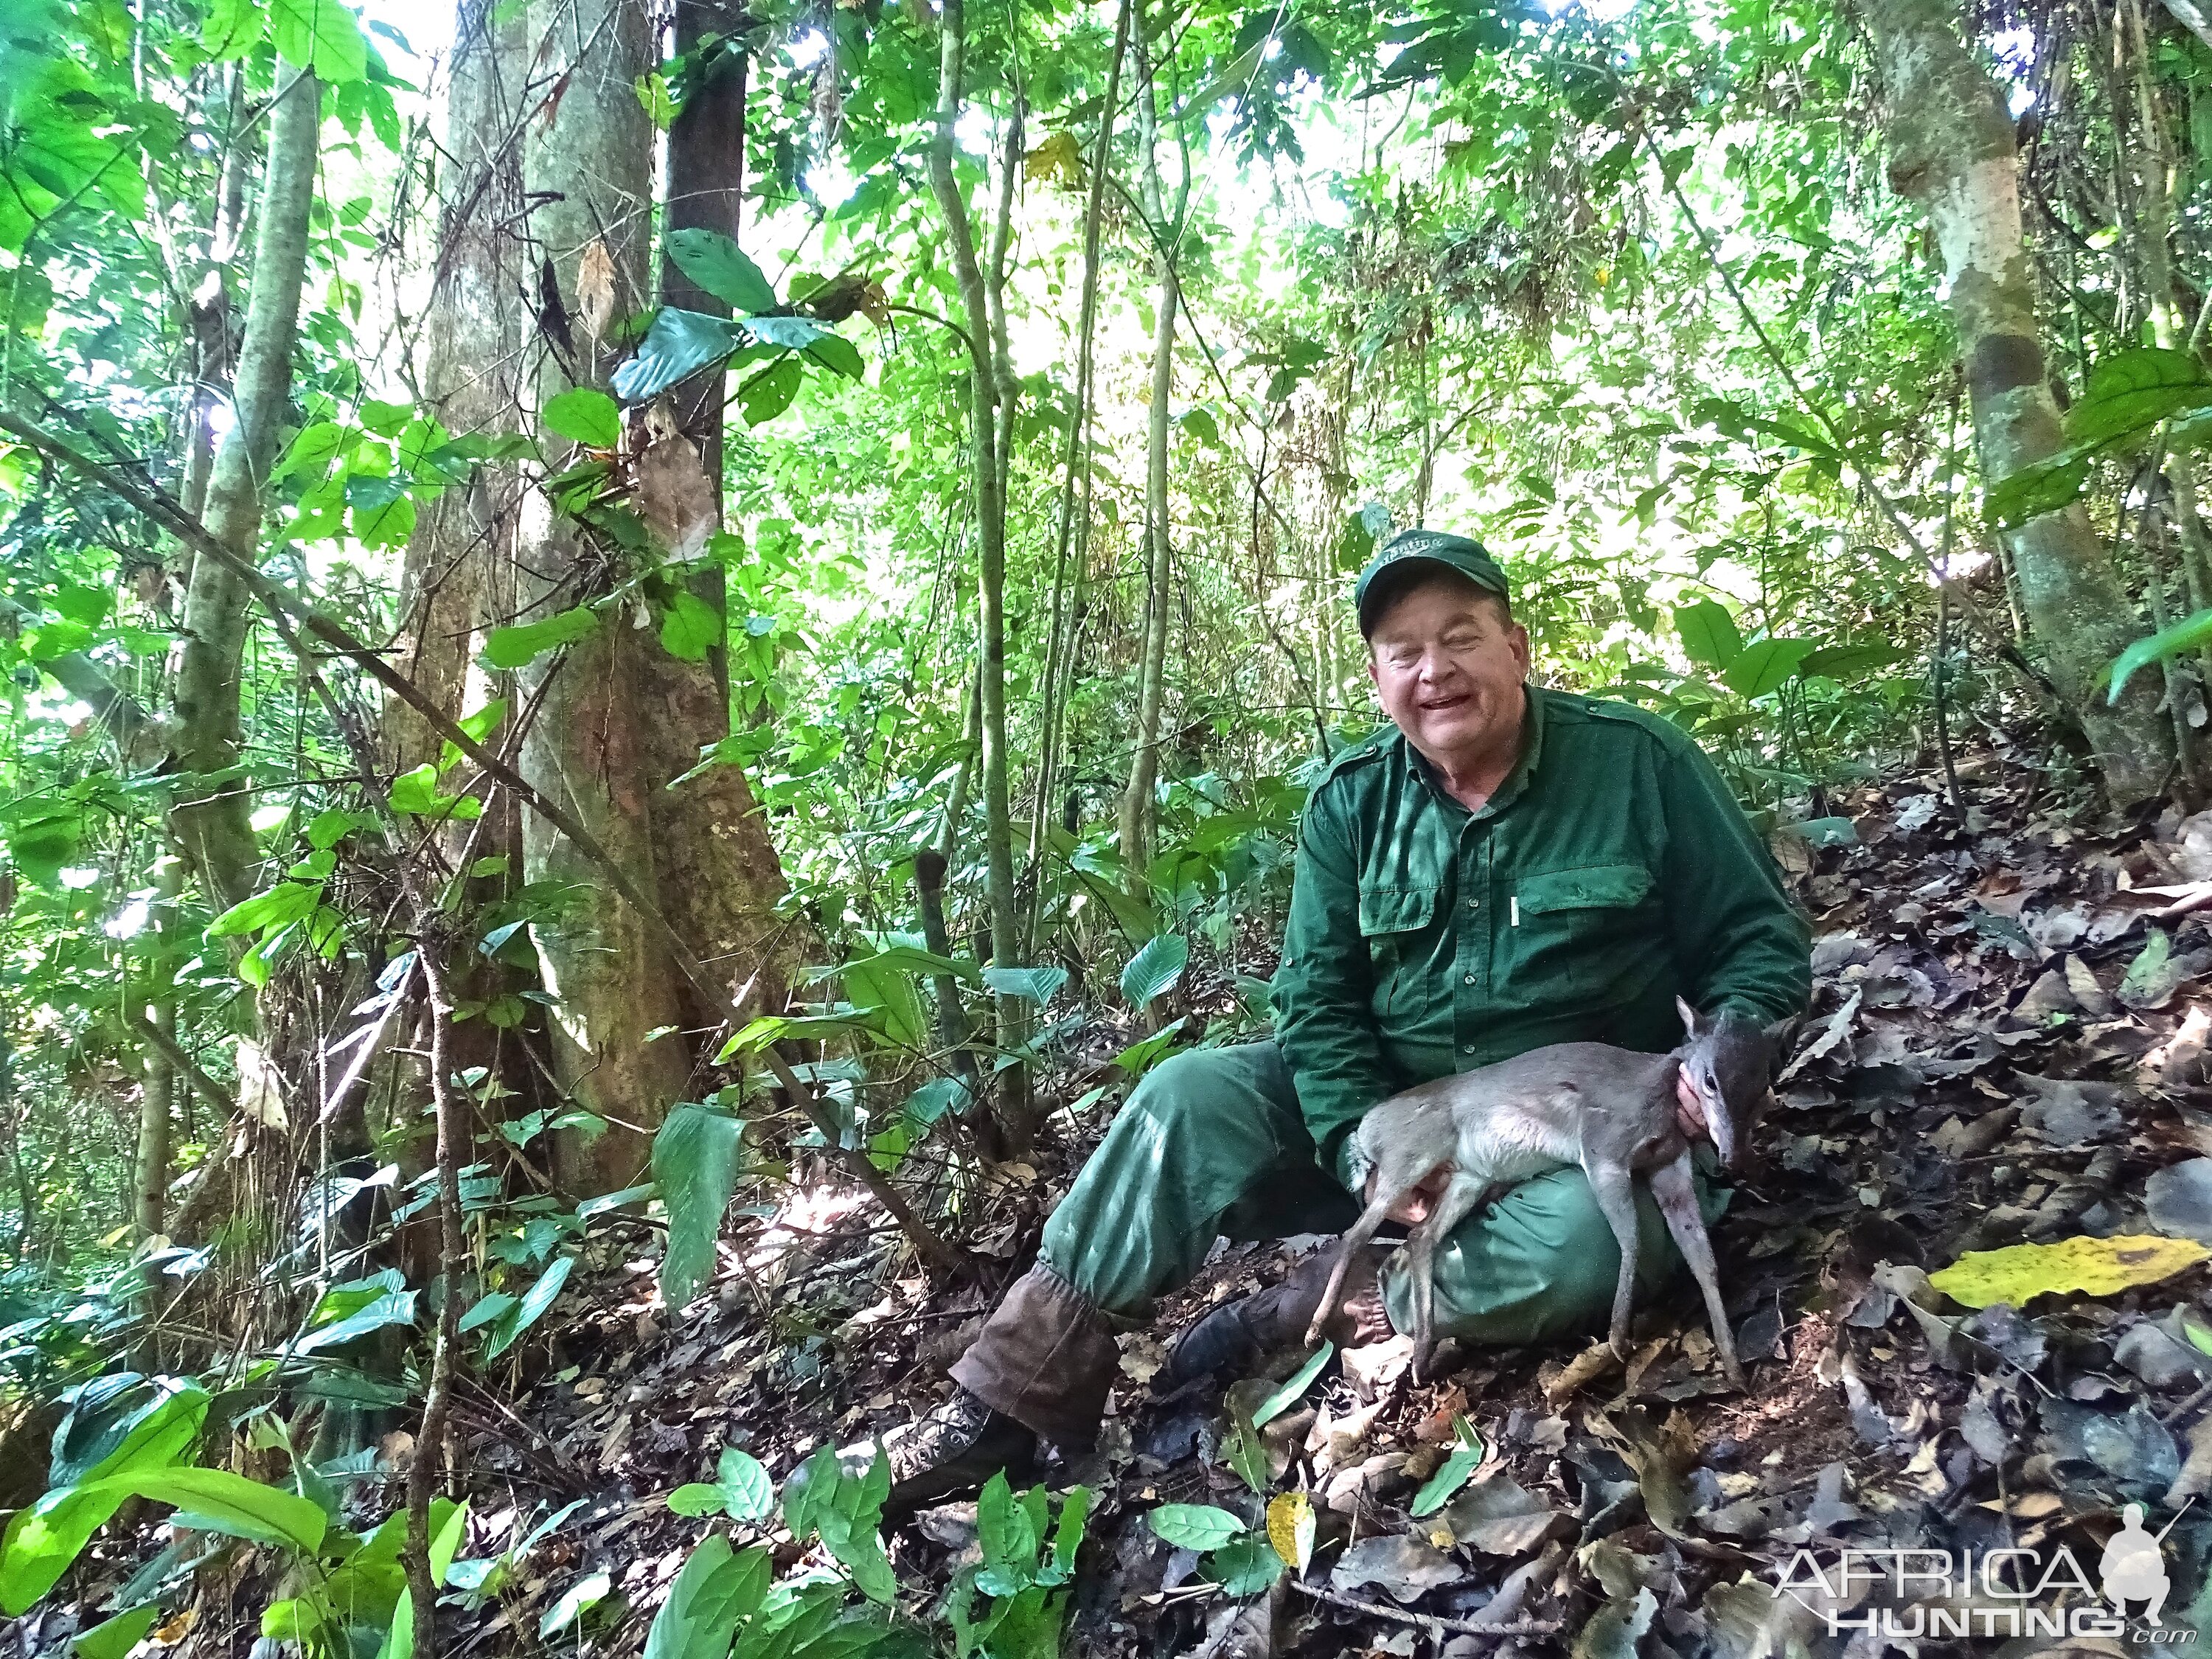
(1434, 1623)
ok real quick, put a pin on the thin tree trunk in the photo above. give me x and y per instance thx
(991, 575)
(1076, 456)
(1136, 817)
(1952, 148)
(210, 819)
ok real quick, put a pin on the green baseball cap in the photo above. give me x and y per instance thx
(1462, 554)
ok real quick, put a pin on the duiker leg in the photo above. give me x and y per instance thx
(1615, 1189)
(1393, 1181)
(1460, 1200)
(1678, 1201)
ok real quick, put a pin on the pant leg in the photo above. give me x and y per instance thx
(1210, 1140)
(1541, 1263)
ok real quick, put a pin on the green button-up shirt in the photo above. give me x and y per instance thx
(1611, 871)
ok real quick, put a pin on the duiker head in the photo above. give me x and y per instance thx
(1727, 1058)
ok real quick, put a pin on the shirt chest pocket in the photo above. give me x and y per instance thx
(1398, 923)
(1574, 933)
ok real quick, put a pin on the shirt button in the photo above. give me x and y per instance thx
(1469, 979)
(1467, 1047)
(1474, 904)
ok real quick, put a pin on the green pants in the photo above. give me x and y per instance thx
(1210, 1143)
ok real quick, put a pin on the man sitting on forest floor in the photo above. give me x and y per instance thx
(1501, 867)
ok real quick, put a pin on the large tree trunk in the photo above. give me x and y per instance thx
(211, 819)
(1136, 819)
(588, 167)
(1952, 149)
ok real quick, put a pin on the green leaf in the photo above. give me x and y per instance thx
(216, 1500)
(2188, 634)
(714, 1593)
(585, 414)
(1158, 965)
(514, 647)
(1037, 985)
(695, 1164)
(1245, 1566)
(764, 396)
(280, 907)
(717, 264)
(119, 1635)
(689, 626)
(1849, 662)
(41, 842)
(528, 1311)
(1247, 1453)
(836, 353)
(234, 27)
(320, 35)
(748, 1493)
(1007, 1536)
(1195, 1525)
(678, 346)
(1294, 1388)
(2131, 392)
(1708, 633)
(1765, 666)
(392, 1309)
(695, 1498)
(2034, 490)
(1452, 1473)
(578, 1599)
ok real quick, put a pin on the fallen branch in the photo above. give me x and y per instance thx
(1434, 1623)
(217, 1098)
(280, 602)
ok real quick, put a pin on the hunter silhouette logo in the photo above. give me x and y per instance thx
(2133, 1566)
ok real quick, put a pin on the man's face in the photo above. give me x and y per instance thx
(1449, 668)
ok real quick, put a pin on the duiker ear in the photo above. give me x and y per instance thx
(1782, 1035)
(1689, 1016)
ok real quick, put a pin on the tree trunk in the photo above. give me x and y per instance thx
(991, 575)
(1952, 149)
(586, 167)
(212, 820)
(1136, 821)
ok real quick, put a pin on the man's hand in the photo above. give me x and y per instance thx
(1414, 1208)
(1689, 1111)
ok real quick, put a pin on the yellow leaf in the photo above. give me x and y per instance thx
(1058, 157)
(2100, 1267)
(1290, 1528)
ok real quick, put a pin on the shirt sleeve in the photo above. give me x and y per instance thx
(1739, 941)
(1324, 1012)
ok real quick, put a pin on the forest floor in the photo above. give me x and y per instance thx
(2006, 1045)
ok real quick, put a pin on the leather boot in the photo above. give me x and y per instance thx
(1233, 1338)
(1040, 1366)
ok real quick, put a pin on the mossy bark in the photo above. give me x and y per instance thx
(1952, 149)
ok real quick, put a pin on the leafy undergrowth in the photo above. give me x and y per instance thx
(2006, 1048)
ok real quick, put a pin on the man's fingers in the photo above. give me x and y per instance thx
(1689, 1111)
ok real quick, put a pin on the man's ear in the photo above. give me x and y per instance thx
(1519, 641)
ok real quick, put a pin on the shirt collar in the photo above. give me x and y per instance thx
(1516, 781)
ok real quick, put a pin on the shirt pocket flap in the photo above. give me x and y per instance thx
(1598, 885)
(1396, 909)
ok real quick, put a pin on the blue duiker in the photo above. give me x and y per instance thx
(1610, 1110)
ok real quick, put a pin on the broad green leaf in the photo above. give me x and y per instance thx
(1247, 1453)
(1067, 1534)
(2131, 392)
(1037, 985)
(320, 35)
(1291, 1527)
(232, 28)
(694, 1164)
(390, 1309)
(836, 352)
(1244, 1566)
(584, 415)
(2034, 490)
(689, 626)
(1158, 965)
(1007, 1535)
(514, 647)
(764, 396)
(280, 907)
(678, 346)
(748, 1493)
(41, 842)
(792, 333)
(715, 1592)
(1294, 1388)
(1452, 1473)
(122, 1420)
(119, 1635)
(2187, 635)
(495, 1305)
(717, 264)
(695, 1498)
(2018, 1274)
(1765, 666)
(1195, 1525)
(216, 1500)
(528, 1311)
(1708, 633)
